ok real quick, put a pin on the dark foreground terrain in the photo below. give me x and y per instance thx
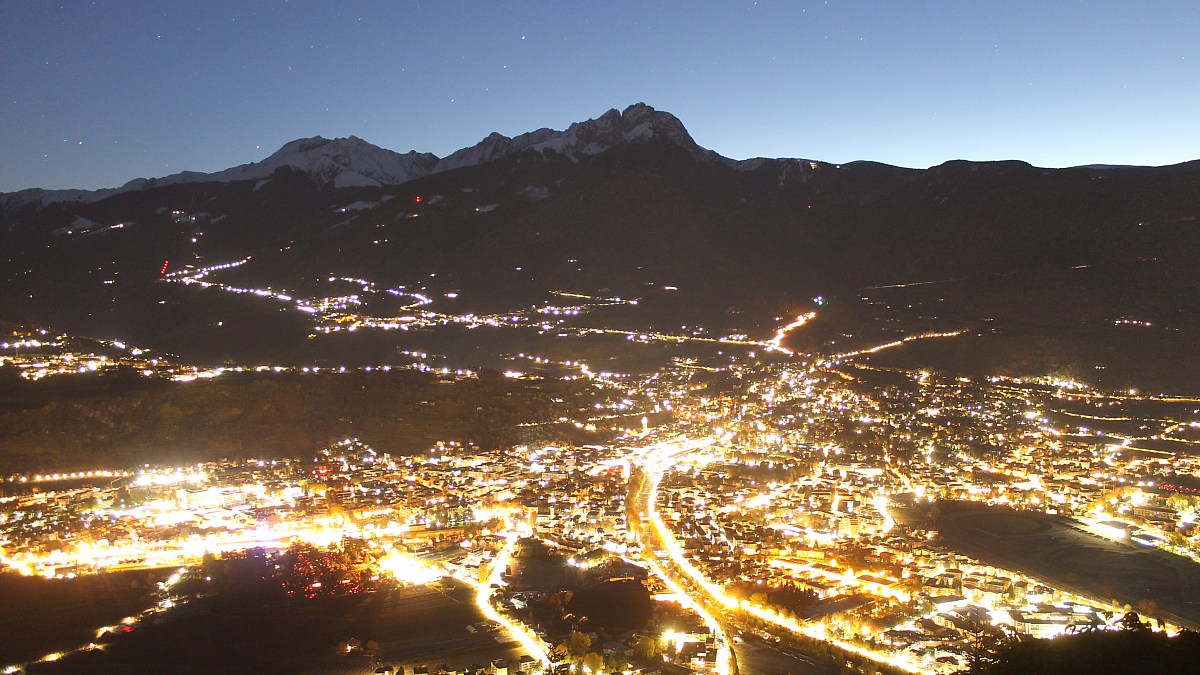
(240, 634)
(41, 617)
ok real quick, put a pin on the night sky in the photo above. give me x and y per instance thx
(97, 93)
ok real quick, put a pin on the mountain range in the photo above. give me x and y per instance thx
(624, 204)
(353, 162)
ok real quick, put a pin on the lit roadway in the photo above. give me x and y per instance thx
(483, 599)
(709, 599)
(415, 570)
(654, 460)
(687, 583)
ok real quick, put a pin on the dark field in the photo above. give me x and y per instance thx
(41, 616)
(1064, 554)
(242, 634)
(756, 655)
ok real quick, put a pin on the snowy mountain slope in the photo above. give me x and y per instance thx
(637, 123)
(353, 162)
(345, 162)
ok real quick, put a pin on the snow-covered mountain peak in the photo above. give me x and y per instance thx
(636, 124)
(350, 162)
(302, 145)
(343, 161)
(491, 148)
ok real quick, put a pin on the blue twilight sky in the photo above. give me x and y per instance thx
(93, 94)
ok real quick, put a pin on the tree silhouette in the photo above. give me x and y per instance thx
(593, 662)
(557, 656)
(987, 642)
(1133, 623)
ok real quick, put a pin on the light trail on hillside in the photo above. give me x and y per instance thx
(897, 343)
(776, 343)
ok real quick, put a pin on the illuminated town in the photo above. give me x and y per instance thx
(485, 338)
(774, 500)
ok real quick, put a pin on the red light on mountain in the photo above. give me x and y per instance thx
(166, 263)
(418, 199)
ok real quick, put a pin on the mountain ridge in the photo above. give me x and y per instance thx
(623, 205)
(353, 162)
